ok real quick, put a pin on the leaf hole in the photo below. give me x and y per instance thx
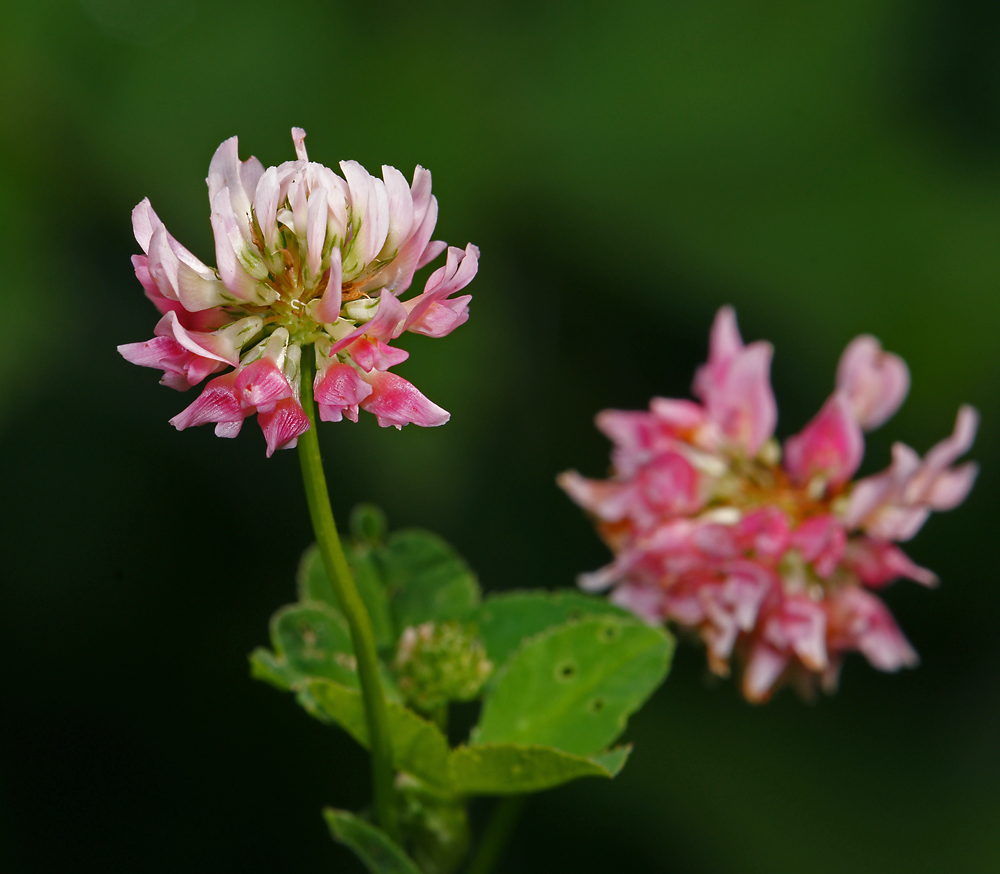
(608, 633)
(595, 705)
(566, 671)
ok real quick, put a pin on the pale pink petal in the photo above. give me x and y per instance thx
(328, 309)
(458, 272)
(394, 401)
(743, 406)
(763, 669)
(799, 625)
(179, 276)
(860, 621)
(606, 499)
(724, 344)
(950, 487)
(144, 222)
(874, 382)
(442, 317)
(299, 139)
(240, 179)
(400, 209)
(266, 201)
(240, 264)
(646, 602)
(316, 232)
(431, 251)
(831, 446)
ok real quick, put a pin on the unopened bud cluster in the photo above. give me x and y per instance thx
(440, 662)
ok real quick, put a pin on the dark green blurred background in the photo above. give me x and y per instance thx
(829, 168)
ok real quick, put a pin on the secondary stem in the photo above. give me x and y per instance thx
(358, 620)
(498, 832)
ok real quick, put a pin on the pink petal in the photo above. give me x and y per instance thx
(830, 446)
(874, 382)
(764, 532)
(458, 272)
(371, 354)
(261, 385)
(339, 390)
(218, 402)
(821, 541)
(799, 625)
(646, 602)
(878, 562)
(328, 309)
(283, 425)
(385, 325)
(442, 317)
(860, 621)
(394, 401)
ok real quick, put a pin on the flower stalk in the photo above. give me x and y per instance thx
(358, 620)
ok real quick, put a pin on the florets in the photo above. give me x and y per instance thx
(309, 262)
(769, 554)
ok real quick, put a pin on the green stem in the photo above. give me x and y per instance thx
(358, 620)
(498, 832)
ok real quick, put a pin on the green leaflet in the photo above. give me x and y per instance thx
(504, 621)
(422, 750)
(574, 686)
(309, 640)
(425, 579)
(411, 578)
(314, 585)
(380, 854)
(509, 769)
(418, 746)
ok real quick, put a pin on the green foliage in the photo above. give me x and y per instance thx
(407, 579)
(418, 745)
(504, 621)
(573, 687)
(435, 829)
(426, 581)
(568, 670)
(310, 639)
(380, 854)
(509, 769)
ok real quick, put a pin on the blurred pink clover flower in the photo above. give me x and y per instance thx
(771, 555)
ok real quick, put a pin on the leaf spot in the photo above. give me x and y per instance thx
(566, 671)
(595, 705)
(608, 633)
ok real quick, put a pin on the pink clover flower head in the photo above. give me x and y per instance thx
(771, 556)
(309, 262)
